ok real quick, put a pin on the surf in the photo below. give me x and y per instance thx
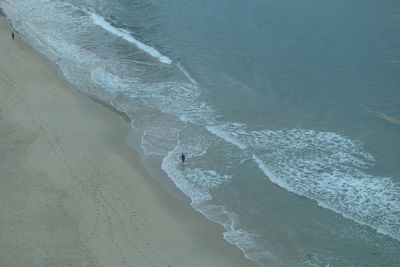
(99, 20)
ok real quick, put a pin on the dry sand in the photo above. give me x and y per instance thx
(72, 193)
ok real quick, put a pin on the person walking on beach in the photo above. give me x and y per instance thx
(12, 35)
(182, 158)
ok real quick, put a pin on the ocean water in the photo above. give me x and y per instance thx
(288, 112)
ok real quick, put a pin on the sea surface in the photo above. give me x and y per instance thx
(288, 112)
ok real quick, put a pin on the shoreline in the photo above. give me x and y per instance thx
(73, 192)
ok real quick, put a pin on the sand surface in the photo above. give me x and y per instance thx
(72, 193)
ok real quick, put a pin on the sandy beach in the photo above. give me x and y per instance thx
(72, 193)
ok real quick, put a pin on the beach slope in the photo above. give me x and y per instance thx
(72, 193)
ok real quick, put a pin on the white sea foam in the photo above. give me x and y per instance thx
(322, 166)
(271, 176)
(328, 168)
(99, 20)
(197, 183)
(228, 132)
(246, 240)
(186, 73)
(178, 99)
(113, 82)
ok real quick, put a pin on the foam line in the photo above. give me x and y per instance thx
(186, 73)
(100, 21)
(357, 190)
(227, 136)
(271, 176)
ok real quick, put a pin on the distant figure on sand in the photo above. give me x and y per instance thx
(12, 35)
(182, 158)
